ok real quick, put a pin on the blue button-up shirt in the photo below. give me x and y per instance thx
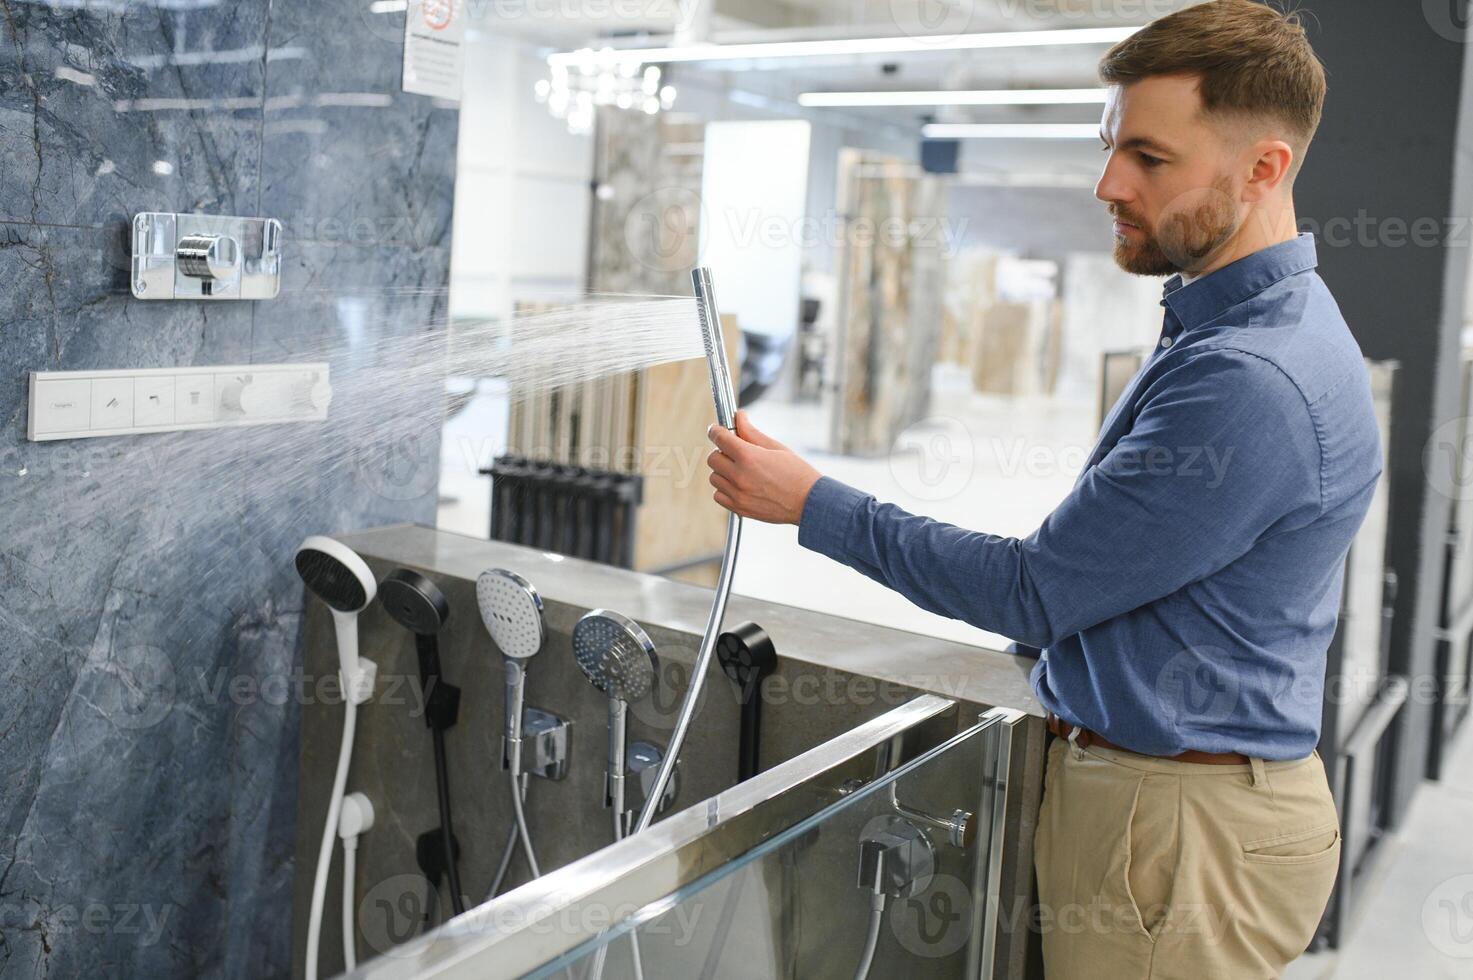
(1186, 590)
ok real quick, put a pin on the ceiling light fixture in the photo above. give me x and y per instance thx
(574, 96)
(846, 46)
(1016, 131)
(1045, 96)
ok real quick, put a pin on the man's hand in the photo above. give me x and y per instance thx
(756, 476)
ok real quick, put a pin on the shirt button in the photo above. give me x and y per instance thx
(1165, 342)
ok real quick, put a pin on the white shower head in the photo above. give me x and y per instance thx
(512, 612)
(338, 576)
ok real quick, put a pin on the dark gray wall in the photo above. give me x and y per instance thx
(1393, 149)
(147, 778)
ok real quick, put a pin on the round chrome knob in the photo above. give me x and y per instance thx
(312, 394)
(243, 396)
(208, 257)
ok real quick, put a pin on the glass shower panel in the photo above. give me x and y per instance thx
(895, 873)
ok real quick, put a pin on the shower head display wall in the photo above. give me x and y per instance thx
(83, 404)
(200, 256)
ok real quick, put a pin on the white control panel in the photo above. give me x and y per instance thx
(83, 404)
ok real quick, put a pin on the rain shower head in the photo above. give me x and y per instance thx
(415, 602)
(512, 612)
(615, 654)
(710, 316)
(336, 574)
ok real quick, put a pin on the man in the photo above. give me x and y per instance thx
(1186, 590)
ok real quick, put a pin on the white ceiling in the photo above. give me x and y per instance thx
(567, 24)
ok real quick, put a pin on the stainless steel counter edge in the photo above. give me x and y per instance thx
(953, 670)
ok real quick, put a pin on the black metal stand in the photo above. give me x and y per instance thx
(572, 510)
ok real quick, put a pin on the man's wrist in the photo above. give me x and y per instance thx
(797, 517)
(827, 515)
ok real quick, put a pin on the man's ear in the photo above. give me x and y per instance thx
(1270, 162)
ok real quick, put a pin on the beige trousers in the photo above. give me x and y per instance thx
(1149, 868)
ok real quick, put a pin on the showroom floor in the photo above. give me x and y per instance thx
(1414, 924)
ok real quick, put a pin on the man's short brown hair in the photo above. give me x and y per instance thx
(1251, 59)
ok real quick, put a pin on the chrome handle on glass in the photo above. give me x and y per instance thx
(959, 829)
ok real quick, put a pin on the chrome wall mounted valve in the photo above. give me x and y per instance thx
(200, 256)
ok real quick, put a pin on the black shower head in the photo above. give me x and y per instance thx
(747, 655)
(414, 601)
(335, 574)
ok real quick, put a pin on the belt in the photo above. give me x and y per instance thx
(1086, 738)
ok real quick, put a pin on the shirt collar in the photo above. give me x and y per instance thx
(1219, 291)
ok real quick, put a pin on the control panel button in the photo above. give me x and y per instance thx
(62, 406)
(153, 401)
(112, 403)
(194, 398)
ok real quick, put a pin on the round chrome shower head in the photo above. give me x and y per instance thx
(336, 574)
(512, 612)
(615, 654)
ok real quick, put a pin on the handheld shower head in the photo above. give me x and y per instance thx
(512, 612)
(747, 656)
(615, 654)
(335, 574)
(722, 392)
(418, 605)
(415, 602)
(725, 398)
(618, 658)
(339, 577)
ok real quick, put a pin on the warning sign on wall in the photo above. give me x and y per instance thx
(434, 47)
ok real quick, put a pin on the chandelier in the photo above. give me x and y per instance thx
(592, 78)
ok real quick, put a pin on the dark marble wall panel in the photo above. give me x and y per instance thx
(348, 157)
(107, 109)
(151, 621)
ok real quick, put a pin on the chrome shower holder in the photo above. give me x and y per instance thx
(544, 744)
(643, 762)
(896, 857)
(205, 257)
